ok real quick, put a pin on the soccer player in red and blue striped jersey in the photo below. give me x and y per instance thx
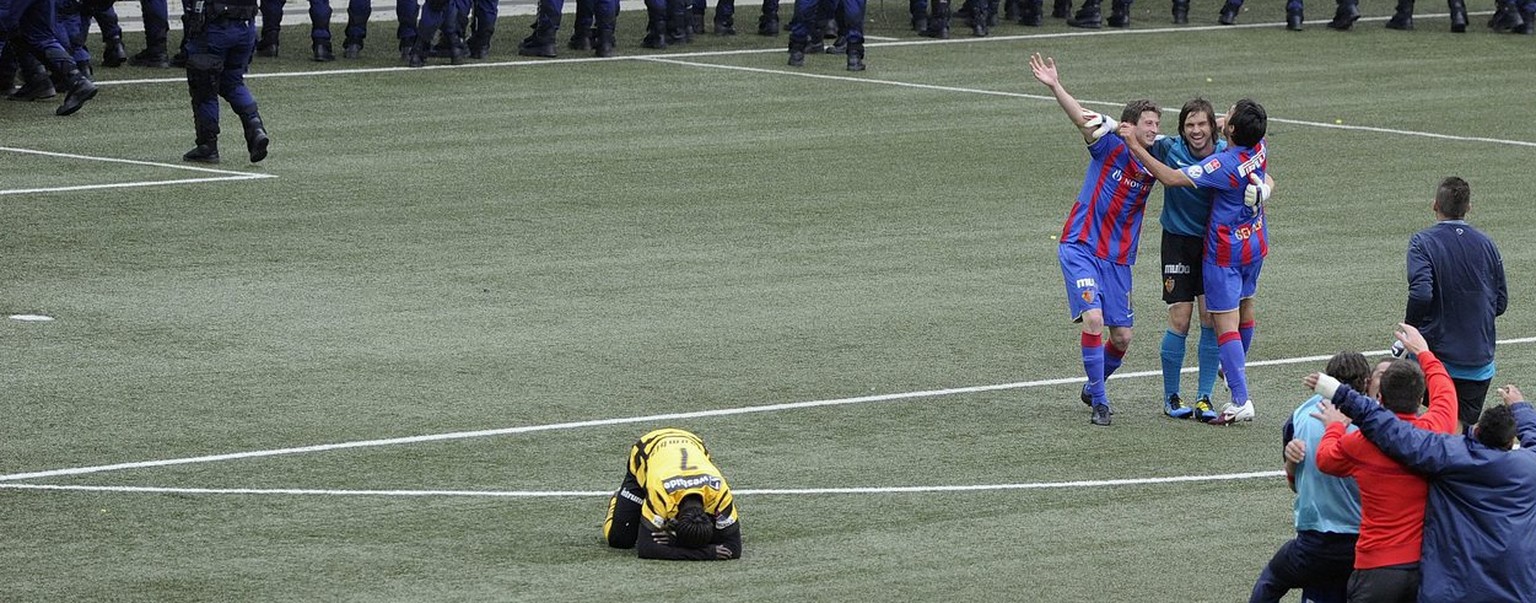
(1235, 239)
(1102, 232)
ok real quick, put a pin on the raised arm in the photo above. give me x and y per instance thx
(1044, 70)
(1422, 451)
(1525, 416)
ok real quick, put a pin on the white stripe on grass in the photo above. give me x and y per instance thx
(224, 175)
(1103, 483)
(722, 412)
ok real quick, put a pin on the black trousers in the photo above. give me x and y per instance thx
(1319, 563)
(1469, 399)
(1392, 584)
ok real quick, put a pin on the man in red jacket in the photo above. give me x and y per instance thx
(1391, 497)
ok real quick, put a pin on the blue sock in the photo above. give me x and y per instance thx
(1210, 360)
(1113, 356)
(1093, 365)
(1173, 361)
(1246, 331)
(1232, 359)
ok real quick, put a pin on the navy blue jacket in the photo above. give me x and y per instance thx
(1480, 521)
(1455, 289)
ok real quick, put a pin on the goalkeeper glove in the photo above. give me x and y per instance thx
(1100, 123)
(1256, 193)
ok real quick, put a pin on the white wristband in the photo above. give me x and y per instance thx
(1326, 386)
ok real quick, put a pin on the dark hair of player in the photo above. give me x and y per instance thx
(1402, 386)
(1198, 105)
(1249, 123)
(1134, 109)
(1453, 198)
(1350, 368)
(691, 528)
(1496, 428)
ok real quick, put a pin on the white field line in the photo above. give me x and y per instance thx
(461, 435)
(224, 175)
(1141, 481)
(1171, 110)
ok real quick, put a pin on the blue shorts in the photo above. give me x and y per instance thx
(1227, 286)
(1094, 283)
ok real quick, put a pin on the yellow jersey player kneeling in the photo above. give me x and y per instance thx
(673, 490)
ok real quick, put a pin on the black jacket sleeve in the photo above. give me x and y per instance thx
(647, 547)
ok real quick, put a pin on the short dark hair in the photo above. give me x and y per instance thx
(1249, 123)
(1135, 108)
(1496, 427)
(1351, 369)
(1197, 105)
(691, 528)
(1402, 386)
(1453, 198)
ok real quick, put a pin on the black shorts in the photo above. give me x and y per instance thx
(1182, 258)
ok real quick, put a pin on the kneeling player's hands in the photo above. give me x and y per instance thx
(1256, 193)
(661, 537)
(722, 552)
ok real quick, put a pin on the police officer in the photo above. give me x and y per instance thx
(113, 54)
(320, 12)
(157, 30)
(220, 37)
(850, 17)
(439, 16)
(33, 22)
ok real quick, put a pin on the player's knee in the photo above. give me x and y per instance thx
(1178, 318)
(1121, 338)
(1093, 322)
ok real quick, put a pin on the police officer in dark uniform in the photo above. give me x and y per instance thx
(33, 22)
(850, 19)
(220, 37)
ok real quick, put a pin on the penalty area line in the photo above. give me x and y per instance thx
(1141, 481)
(461, 435)
(88, 187)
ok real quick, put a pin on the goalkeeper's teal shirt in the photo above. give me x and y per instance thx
(1185, 210)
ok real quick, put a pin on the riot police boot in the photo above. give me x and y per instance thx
(416, 55)
(976, 18)
(479, 44)
(656, 33)
(1061, 9)
(1013, 10)
(352, 48)
(605, 43)
(920, 22)
(323, 52)
(540, 44)
(267, 45)
(1344, 18)
(678, 31)
(856, 56)
(1180, 12)
(816, 45)
(113, 54)
(86, 69)
(1228, 15)
(1030, 13)
(1458, 15)
(938, 20)
(695, 24)
(724, 26)
(991, 14)
(256, 139)
(1088, 16)
(81, 88)
(797, 52)
(839, 46)
(151, 57)
(581, 39)
(1120, 14)
(1527, 24)
(37, 87)
(768, 25)
(1293, 19)
(1402, 19)
(458, 51)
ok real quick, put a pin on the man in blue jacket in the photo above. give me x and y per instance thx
(1480, 521)
(1455, 290)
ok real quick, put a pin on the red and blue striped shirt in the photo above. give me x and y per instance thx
(1108, 211)
(1235, 234)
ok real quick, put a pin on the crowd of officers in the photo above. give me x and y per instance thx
(44, 41)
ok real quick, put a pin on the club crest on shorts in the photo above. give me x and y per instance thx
(1088, 295)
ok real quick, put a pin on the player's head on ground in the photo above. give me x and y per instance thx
(1197, 125)
(1453, 198)
(1247, 123)
(1496, 427)
(692, 527)
(1402, 386)
(1350, 368)
(1146, 116)
(1373, 388)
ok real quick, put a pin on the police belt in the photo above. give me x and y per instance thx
(234, 12)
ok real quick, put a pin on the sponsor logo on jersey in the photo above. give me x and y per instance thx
(1213, 165)
(687, 482)
(1252, 165)
(1085, 282)
(1136, 181)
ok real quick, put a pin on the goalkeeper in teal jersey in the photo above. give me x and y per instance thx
(1185, 212)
